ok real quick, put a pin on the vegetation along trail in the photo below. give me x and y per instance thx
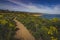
(23, 33)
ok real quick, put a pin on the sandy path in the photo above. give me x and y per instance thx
(23, 33)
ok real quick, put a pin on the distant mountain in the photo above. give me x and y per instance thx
(49, 16)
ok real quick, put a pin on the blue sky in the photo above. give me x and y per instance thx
(40, 6)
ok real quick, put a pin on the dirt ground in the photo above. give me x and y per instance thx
(23, 33)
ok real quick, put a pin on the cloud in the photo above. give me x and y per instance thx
(55, 9)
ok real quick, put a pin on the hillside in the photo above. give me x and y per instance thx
(41, 28)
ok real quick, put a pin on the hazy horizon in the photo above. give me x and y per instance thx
(38, 6)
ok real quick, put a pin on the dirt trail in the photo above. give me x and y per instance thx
(23, 33)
